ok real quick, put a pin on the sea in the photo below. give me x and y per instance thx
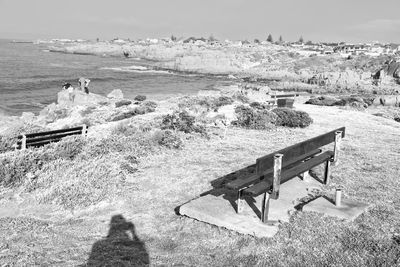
(31, 76)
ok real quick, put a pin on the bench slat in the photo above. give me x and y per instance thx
(286, 95)
(240, 183)
(267, 162)
(41, 143)
(50, 137)
(51, 132)
(266, 184)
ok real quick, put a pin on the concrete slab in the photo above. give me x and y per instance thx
(348, 210)
(218, 207)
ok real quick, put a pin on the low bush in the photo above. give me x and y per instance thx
(248, 117)
(16, 165)
(241, 98)
(140, 98)
(181, 121)
(138, 144)
(124, 128)
(258, 105)
(9, 138)
(207, 102)
(168, 139)
(150, 104)
(68, 148)
(223, 101)
(292, 118)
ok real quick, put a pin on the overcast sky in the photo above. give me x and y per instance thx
(316, 20)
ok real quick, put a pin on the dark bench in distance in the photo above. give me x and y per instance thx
(283, 101)
(43, 138)
(279, 167)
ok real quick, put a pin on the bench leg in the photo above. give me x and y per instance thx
(239, 202)
(265, 207)
(305, 176)
(336, 149)
(327, 175)
(277, 176)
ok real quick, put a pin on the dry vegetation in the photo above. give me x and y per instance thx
(69, 191)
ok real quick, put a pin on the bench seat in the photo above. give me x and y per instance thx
(254, 178)
(287, 174)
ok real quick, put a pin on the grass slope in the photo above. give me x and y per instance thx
(368, 171)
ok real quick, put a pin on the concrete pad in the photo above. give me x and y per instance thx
(348, 210)
(219, 208)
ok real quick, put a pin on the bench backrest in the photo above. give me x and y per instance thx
(267, 162)
(42, 138)
(285, 95)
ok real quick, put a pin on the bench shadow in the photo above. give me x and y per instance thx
(230, 195)
(121, 246)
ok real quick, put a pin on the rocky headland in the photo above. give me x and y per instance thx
(288, 67)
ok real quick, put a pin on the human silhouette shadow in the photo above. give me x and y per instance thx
(121, 247)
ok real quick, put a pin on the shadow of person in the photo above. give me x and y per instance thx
(121, 247)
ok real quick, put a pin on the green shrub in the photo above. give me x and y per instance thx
(292, 118)
(69, 147)
(150, 104)
(125, 129)
(138, 145)
(16, 165)
(250, 118)
(241, 98)
(168, 139)
(258, 105)
(223, 101)
(181, 121)
(140, 98)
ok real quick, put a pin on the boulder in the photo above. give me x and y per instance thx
(81, 99)
(116, 94)
(27, 116)
(122, 102)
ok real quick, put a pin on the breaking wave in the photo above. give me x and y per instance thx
(137, 69)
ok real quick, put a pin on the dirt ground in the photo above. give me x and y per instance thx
(141, 225)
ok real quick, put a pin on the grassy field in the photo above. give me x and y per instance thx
(130, 218)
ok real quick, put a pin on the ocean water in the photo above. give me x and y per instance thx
(30, 77)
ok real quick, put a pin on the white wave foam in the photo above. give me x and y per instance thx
(135, 68)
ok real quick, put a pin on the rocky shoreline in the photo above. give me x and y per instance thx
(287, 66)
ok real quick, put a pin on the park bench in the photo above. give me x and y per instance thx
(43, 138)
(279, 167)
(283, 100)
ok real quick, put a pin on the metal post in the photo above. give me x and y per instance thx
(84, 130)
(336, 150)
(338, 197)
(277, 176)
(305, 176)
(327, 175)
(265, 207)
(239, 202)
(23, 142)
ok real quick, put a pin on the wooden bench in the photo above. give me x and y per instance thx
(43, 138)
(279, 167)
(283, 100)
